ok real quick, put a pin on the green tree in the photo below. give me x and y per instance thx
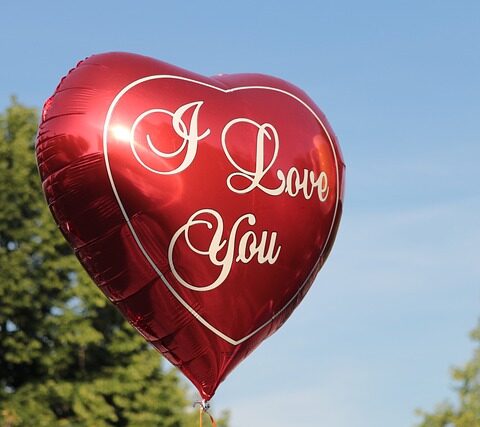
(67, 357)
(466, 413)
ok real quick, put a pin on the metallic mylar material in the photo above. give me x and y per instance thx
(202, 207)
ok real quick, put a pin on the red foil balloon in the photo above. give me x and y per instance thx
(202, 207)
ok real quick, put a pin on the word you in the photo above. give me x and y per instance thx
(264, 248)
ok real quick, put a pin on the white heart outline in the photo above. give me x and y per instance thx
(135, 236)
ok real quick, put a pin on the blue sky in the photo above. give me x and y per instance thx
(400, 84)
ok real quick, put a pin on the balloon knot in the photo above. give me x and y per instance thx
(204, 404)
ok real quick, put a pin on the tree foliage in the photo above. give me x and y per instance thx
(67, 357)
(466, 413)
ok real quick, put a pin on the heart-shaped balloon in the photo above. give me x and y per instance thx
(203, 208)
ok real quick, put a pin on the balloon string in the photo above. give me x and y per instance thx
(214, 424)
(204, 409)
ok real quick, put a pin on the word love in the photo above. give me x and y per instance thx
(264, 249)
(293, 182)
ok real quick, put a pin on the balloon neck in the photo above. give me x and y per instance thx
(204, 404)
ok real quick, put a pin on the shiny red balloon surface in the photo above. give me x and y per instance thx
(203, 208)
